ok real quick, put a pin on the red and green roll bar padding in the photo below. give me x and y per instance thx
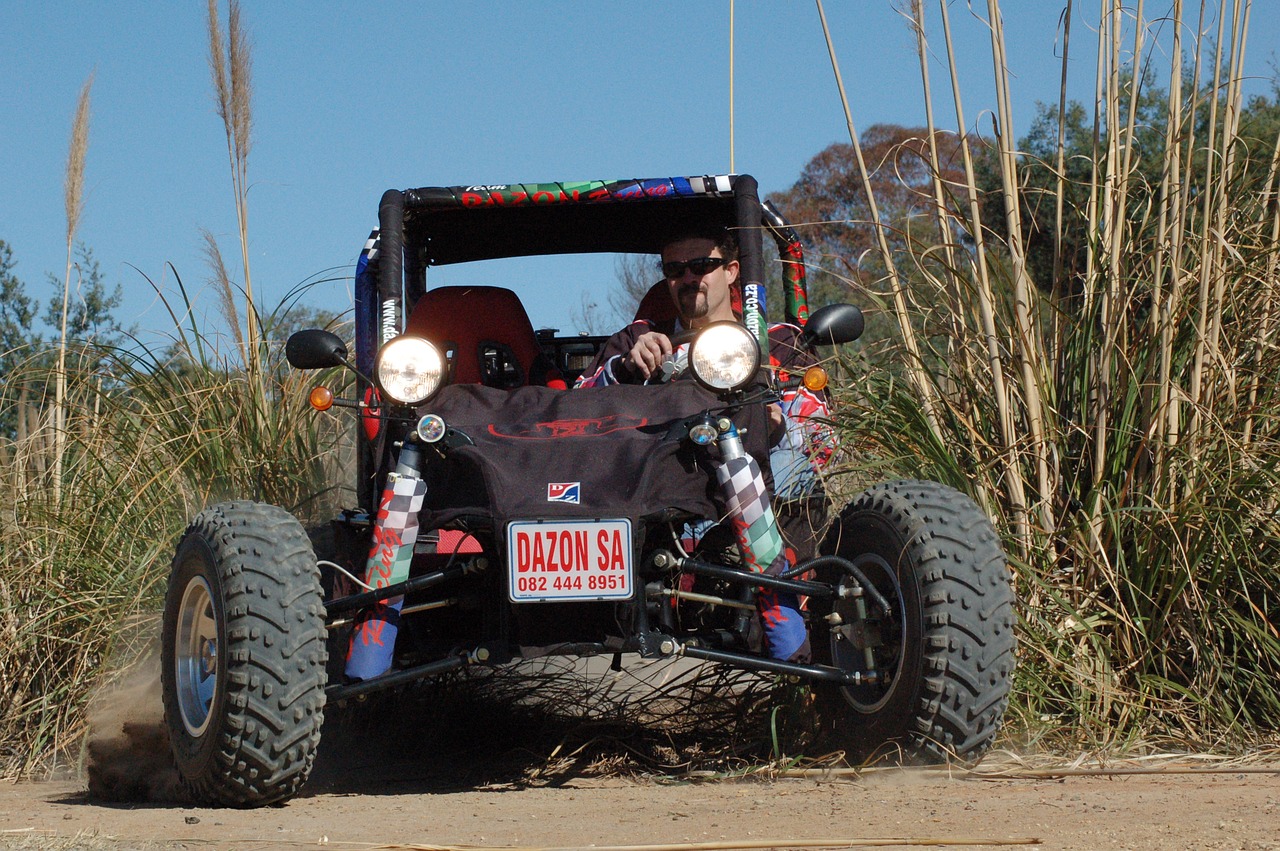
(462, 223)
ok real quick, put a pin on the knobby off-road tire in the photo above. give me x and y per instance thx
(947, 644)
(243, 656)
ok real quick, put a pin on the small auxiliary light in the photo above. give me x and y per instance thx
(815, 378)
(431, 428)
(321, 398)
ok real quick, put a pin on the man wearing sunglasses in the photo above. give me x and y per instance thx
(700, 272)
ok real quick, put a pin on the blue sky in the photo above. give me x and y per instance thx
(352, 99)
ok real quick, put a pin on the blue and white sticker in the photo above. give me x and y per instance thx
(570, 492)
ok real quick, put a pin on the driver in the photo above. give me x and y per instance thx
(701, 275)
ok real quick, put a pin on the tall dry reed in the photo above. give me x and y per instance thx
(73, 198)
(96, 490)
(231, 66)
(1119, 418)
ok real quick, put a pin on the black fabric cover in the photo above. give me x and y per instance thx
(612, 441)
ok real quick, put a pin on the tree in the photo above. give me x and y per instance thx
(828, 206)
(1082, 148)
(89, 317)
(1038, 179)
(18, 340)
(17, 310)
(636, 274)
(26, 361)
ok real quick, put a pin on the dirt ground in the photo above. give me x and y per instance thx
(443, 769)
(1166, 811)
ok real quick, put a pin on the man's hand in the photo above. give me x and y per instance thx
(646, 356)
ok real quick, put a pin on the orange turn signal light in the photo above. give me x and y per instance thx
(321, 398)
(815, 378)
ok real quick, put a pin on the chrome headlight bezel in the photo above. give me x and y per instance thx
(409, 370)
(724, 357)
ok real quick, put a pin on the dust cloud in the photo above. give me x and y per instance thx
(127, 748)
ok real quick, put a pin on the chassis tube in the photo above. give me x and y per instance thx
(368, 598)
(449, 663)
(798, 586)
(778, 666)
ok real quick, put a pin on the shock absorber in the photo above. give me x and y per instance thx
(746, 501)
(395, 531)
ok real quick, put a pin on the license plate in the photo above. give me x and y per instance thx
(569, 560)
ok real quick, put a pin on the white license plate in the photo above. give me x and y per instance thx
(569, 560)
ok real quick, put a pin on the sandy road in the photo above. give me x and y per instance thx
(1169, 811)
(427, 769)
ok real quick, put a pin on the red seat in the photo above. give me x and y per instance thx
(487, 337)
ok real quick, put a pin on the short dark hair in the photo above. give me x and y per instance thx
(724, 239)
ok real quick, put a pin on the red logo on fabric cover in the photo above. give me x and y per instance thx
(557, 429)
(569, 492)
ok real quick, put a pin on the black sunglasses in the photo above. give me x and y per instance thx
(674, 269)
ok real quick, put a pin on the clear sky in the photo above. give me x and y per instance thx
(351, 99)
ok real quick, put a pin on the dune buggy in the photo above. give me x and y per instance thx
(501, 516)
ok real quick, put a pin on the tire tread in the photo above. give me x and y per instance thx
(275, 677)
(966, 599)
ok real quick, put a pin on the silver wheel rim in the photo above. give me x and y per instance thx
(871, 699)
(196, 656)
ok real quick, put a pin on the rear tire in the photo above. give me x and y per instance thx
(946, 646)
(243, 656)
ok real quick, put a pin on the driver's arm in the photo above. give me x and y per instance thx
(645, 357)
(612, 363)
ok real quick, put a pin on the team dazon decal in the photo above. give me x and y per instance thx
(557, 429)
(570, 492)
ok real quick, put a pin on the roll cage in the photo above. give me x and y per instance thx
(439, 225)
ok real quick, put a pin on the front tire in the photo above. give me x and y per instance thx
(944, 649)
(243, 656)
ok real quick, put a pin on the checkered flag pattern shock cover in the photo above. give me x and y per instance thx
(746, 502)
(394, 536)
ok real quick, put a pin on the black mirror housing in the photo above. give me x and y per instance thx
(833, 325)
(315, 348)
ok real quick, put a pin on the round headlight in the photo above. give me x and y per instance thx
(409, 370)
(724, 356)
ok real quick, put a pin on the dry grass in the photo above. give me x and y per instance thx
(1118, 419)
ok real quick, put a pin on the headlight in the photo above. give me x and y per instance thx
(409, 370)
(724, 356)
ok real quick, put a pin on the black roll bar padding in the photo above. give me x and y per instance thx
(368, 598)
(750, 247)
(749, 216)
(390, 265)
(798, 586)
(778, 666)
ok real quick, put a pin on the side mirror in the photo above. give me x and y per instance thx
(315, 348)
(833, 325)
